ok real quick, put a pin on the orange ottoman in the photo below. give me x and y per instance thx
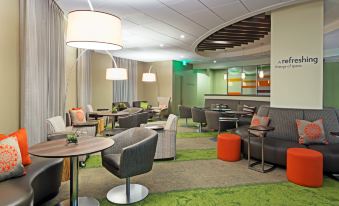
(305, 167)
(228, 147)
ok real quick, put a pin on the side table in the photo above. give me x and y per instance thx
(265, 167)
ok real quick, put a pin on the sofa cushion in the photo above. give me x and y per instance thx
(10, 159)
(263, 110)
(283, 121)
(330, 122)
(21, 135)
(311, 132)
(331, 156)
(259, 121)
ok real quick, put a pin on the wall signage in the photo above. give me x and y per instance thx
(295, 62)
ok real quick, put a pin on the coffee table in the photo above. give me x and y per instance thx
(253, 165)
(59, 149)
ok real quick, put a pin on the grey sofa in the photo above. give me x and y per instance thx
(286, 136)
(40, 184)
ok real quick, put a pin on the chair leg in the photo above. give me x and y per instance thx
(186, 123)
(127, 193)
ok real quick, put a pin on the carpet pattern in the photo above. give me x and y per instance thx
(94, 161)
(258, 194)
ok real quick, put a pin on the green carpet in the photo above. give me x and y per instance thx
(275, 194)
(196, 134)
(94, 161)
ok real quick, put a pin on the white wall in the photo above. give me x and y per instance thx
(102, 89)
(297, 31)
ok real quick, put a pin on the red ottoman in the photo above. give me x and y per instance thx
(305, 167)
(229, 147)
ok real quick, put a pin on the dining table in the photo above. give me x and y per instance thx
(109, 114)
(61, 149)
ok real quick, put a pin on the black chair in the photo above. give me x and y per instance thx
(198, 115)
(132, 154)
(185, 112)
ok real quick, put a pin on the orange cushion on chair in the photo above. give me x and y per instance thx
(305, 167)
(21, 135)
(228, 146)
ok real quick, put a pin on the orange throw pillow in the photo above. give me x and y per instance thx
(21, 135)
(2, 136)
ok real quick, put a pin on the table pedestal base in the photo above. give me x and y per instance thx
(83, 201)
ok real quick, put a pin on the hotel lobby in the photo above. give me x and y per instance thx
(169, 102)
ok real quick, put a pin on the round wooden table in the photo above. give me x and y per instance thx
(60, 149)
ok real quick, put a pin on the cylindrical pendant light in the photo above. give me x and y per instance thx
(94, 30)
(149, 77)
(116, 74)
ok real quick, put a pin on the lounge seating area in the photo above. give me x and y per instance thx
(169, 103)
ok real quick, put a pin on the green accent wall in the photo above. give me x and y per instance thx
(190, 85)
(331, 84)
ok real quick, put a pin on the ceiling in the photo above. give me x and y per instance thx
(157, 30)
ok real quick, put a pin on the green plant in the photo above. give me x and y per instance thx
(72, 138)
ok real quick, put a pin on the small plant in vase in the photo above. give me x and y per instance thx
(114, 110)
(73, 138)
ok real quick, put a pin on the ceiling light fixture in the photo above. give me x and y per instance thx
(89, 29)
(182, 36)
(261, 73)
(149, 77)
(243, 75)
(215, 61)
(115, 73)
(161, 45)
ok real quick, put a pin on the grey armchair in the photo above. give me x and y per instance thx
(166, 147)
(134, 120)
(198, 116)
(185, 112)
(215, 121)
(132, 154)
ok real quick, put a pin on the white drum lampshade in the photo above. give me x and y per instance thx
(94, 30)
(116, 74)
(149, 77)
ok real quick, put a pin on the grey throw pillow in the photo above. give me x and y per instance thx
(311, 132)
(10, 159)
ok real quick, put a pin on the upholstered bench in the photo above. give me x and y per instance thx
(41, 183)
(228, 147)
(305, 167)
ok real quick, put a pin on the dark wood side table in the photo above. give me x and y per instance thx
(59, 149)
(265, 167)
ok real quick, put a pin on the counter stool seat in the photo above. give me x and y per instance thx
(228, 146)
(305, 167)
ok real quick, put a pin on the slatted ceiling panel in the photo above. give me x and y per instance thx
(237, 34)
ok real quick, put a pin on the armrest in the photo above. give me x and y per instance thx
(86, 124)
(55, 136)
(335, 133)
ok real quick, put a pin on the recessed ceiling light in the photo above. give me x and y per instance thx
(161, 45)
(182, 36)
(214, 61)
(182, 56)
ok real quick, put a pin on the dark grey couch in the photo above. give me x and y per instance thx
(41, 183)
(286, 136)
